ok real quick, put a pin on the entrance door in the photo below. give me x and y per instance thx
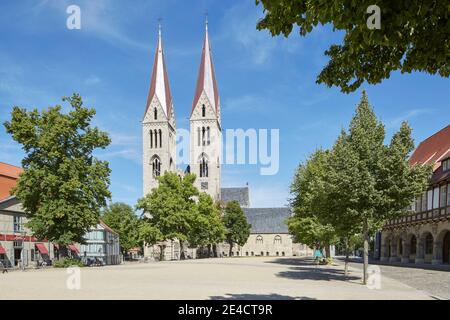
(17, 256)
(446, 248)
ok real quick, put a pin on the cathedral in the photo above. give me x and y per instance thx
(159, 156)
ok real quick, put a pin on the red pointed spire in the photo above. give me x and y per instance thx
(159, 83)
(206, 80)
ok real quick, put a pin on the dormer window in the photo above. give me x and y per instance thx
(446, 164)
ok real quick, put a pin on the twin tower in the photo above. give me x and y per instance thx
(159, 127)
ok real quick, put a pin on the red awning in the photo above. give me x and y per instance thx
(73, 248)
(41, 247)
(2, 250)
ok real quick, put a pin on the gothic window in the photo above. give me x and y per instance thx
(198, 135)
(259, 239)
(277, 239)
(203, 136)
(203, 166)
(155, 114)
(156, 167)
(208, 136)
(429, 244)
(160, 138)
(151, 139)
(155, 133)
(203, 110)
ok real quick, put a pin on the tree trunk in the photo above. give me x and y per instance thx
(346, 257)
(162, 248)
(231, 248)
(366, 252)
(182, 256)
(209, 251)
(214, 250)
(327, 250)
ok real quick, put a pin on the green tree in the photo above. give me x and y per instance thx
(122, 219)
(414, 36)
(170, 209)
(310, 223)
(208, 228)
(370, 182)
(236, 225)
(63, 186)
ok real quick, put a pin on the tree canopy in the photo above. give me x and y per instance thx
(414, 36)
(169, 209)
(122, 219)
(63, 186)
(360, 184)
(237, 227)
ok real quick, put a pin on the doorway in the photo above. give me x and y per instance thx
(446, 248)
(17, 256)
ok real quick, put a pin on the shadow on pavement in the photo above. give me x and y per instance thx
(301, 261)
(250, 296)
(316, 273)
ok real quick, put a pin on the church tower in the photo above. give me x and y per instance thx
(158, 126)
(205, 127)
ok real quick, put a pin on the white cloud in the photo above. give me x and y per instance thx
(92, 80)
(239, 25)
(395, 122)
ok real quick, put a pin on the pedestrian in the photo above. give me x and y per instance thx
(3, 266)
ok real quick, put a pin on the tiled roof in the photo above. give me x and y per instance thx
(240, 195)
(9, 170)
(159, 83)
(268, 220)
(206, 80)
(433, 150)
(104, 225)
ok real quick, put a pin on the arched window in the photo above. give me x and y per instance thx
(156, 166)
(267, 253)
(203, 110)
(203, 166)
(259, 239)
(208, 136)
(277, 240)
(155, 133)
(246, 253)
(203, 136)
(253, 253)
(155, 114)
(429, 244)
(413, 245)
(277, 253)
(198, 135)
(160, 138)
(262, 253)
(151, 139)
(282, 253)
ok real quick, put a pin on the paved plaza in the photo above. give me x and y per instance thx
(227, 278)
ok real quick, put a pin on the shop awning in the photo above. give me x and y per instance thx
(42, 249)
(73, 248)
(2, 250)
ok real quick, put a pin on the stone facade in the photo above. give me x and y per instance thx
(205, 147)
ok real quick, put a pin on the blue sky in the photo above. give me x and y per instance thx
(264, 82)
